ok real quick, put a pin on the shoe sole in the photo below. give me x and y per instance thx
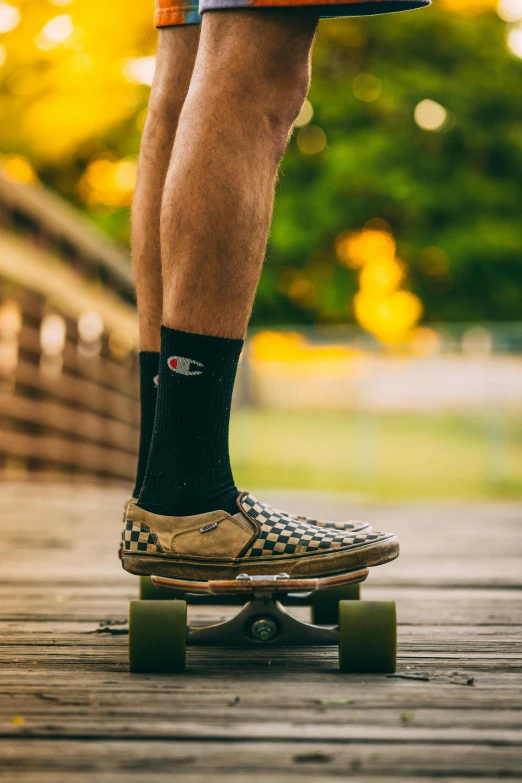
(306, 565)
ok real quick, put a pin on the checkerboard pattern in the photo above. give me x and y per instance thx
(281, 535)
(352, 527)
(137, 537)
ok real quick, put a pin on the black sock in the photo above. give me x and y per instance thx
(189, 471)
(149, 362)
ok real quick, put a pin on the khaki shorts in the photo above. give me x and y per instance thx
(173, 12)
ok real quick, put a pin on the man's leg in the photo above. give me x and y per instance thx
(250, 79)
(190, 522)
(177, 48)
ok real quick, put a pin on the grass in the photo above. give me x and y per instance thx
(380, 456)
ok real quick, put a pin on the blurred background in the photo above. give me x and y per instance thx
(385, 354)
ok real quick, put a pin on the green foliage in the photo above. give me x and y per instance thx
(451, 197)
(459, 189)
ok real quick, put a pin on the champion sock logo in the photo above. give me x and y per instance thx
(156, 380)
(183, 366)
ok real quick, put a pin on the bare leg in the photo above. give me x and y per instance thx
(177, 48)
(251, 76)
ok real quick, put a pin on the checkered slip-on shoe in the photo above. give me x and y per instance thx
(353, 526)
(256, 540)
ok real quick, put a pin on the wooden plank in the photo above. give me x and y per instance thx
(217, 777)
(267, 715)
(447, 641)
(194, 727)
(138, 776)
(89, 706)
(86, 602)
(243, 758)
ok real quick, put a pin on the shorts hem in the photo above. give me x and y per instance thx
(324, 8)
(176, 15)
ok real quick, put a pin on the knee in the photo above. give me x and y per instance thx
(262, 64)
(271, 98)
(277, 100)
(282, 92)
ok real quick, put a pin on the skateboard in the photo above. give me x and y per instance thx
(364, 631)
(323, 606)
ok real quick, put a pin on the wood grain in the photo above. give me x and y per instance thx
(69, 709)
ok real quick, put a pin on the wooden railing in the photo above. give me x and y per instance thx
(68, 361)
(67, 405)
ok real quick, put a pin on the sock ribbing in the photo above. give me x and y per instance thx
(188, 471)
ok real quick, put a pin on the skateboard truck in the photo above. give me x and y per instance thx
(262, 621)
(365, 631)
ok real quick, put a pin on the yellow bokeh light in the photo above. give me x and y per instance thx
(9, 17)
(510, 10)
(140, 70)
(514, 41)
(356, 248)
(125, 175)
(382, 274)
(292, 355)
(55, 32)
(389, 318)
(305, 115)
(311, 140)
(430, 115)
(18, 168)
(109, 183)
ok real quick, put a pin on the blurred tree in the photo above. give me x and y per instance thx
(413, 126)
(423, 129)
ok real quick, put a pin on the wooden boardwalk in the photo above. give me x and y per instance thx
(70, 711)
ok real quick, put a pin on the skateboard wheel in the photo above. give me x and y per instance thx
(325, 603)
(367, 637)
(157, 636)
(148, 592)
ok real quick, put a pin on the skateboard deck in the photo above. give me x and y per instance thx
(292, 592)
(279, 584)
(364, 631)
